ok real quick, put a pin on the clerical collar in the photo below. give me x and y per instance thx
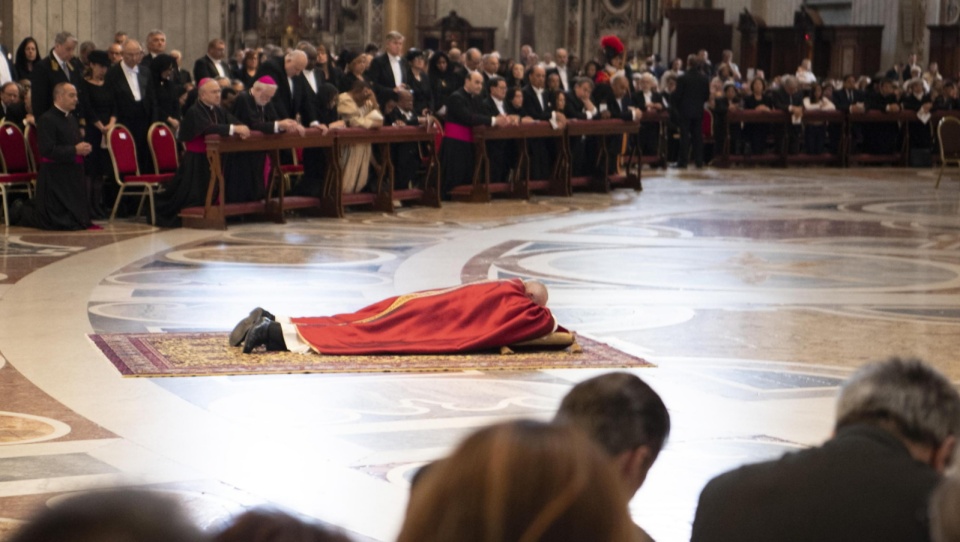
(60, 109)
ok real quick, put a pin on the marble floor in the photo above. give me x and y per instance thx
(755, 292)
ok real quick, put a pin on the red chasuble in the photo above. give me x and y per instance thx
(471, 317)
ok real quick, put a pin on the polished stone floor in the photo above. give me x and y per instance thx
(754, 291)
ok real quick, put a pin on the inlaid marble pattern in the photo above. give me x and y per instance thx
(755, 292)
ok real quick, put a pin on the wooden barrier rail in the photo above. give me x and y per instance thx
(213, 214)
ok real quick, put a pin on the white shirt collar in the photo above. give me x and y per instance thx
(128, 69)
(56, 56)
(393, 58)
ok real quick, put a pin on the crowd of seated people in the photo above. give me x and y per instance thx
(881, 476)
(136, 84)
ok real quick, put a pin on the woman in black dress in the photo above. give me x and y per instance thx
(444, 80)
(354, 64)
(331, 73)
(248, 69)
(755, 133)
(420, 83)
(99, 114)
(27, 56)
(166, 89)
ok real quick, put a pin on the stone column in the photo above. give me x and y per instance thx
(400, 15)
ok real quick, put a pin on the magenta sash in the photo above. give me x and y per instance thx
(458, 132)
(197, 145)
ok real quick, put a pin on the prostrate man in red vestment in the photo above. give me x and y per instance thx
(466, 318)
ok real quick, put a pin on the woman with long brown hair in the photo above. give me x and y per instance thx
(520, 481)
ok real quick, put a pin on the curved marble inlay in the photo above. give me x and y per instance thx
(231, 277)
(756, 268)
(608, 318)
(280, 255)
(20, 428)
(918, 207)
(310, 403)
(325, 237)
(503, 210)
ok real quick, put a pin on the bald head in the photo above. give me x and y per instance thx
(536, 292)
(295, 62)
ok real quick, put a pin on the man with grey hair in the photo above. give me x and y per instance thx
(60, 66)
(389, 72)
(895, 433)
(156, 44)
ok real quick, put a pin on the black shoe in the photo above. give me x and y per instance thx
(257, 335)
(241, 329)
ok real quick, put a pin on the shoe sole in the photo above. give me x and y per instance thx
(239, 333)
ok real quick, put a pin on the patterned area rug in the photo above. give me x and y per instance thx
(207, 354)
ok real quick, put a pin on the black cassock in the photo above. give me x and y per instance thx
(61, 199)
(244, 171)
(189, 186)
(456, 155)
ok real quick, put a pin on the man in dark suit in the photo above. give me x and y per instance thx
(8, 71)
(789, 99)
(389, 71)
(502, 153)
(895, 434)
(406, 156)
(489, 64)
(848, 99)
(11, 108)
(580, 107)
(882, 137)
(134, 102)
(619, 105)
(536, 105)
(562, 59)
(291, 97)
(627, 418)
(464, 111)
(59, 66)
(693, 91)
(156, 44)
(212, 64)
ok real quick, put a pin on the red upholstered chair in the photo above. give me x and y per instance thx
(16, 175)
(30, 133)
(123, 155)
(163, 148)
(295, 169)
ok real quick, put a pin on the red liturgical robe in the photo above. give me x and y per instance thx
(465, 318)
